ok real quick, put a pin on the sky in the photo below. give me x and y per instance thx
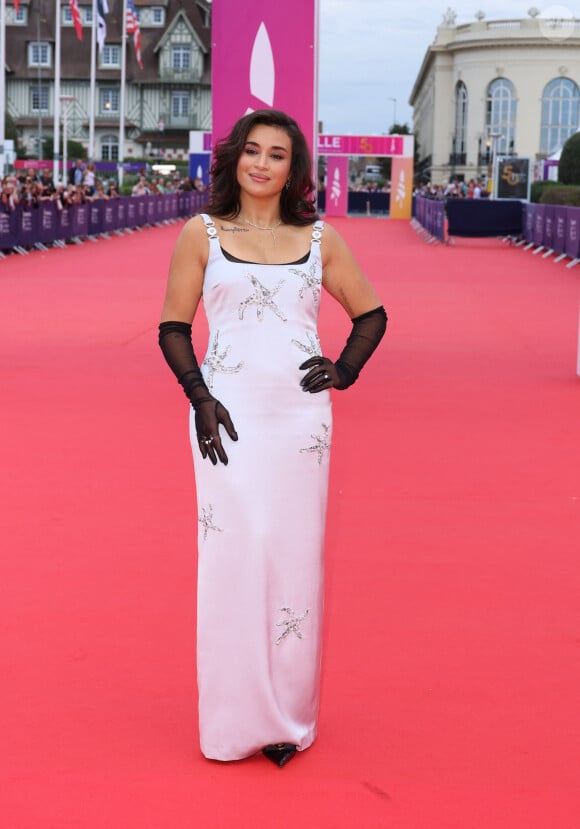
(370, 51)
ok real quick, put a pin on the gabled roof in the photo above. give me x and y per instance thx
(171, 26)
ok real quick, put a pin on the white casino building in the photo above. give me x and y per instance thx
(509, 86)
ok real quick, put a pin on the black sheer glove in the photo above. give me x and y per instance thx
(175, 343)
(367, 332)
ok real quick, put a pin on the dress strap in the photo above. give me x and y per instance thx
(209, 226)
(317, 229)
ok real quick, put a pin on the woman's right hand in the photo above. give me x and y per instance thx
(209, 414)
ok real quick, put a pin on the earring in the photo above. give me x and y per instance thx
(287, 185)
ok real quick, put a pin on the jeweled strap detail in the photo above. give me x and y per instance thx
(209, 226)
(317, 231)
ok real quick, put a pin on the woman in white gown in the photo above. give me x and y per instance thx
(259, 258)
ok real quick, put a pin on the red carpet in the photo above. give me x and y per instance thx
(452, 662)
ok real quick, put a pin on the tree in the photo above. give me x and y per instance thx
(74, 149)
(569, 167)
(10, 131)
(400, 129)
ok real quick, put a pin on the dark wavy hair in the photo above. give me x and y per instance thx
(297, 201)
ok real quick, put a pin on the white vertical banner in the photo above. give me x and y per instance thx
(93, 84)
(56, 102)
(2, 85)
(336, 185)
(122, 96)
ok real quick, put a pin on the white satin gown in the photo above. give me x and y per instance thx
(261, 517)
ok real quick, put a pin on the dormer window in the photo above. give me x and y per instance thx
(181, 57)
(157, 15)
(39, 54)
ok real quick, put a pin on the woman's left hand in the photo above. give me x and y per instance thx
(323, 374)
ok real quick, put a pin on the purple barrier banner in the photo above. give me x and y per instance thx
(198, 201)
(141, 202)
(121, 217)
(96, 211)
(572, 246)
(429, 216)
(184, 201)
(46, 222)
(27, 226)
(159, 202)
(80, 223)
(131, 212)
(560, 222)
(529, 211)
(150, 202)
(549, 214)
(64, 221)
(439, 227)
(8, 229)
(539, 224)
(110, 216)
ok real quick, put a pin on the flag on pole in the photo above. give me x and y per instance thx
(16, 6)
(76, 16)
(102, 10)
(134, 29)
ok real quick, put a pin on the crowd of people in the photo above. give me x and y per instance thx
(31, 186)
(455, 189)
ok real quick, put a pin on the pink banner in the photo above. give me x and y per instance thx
(264, 56)
(337, 186)
(375, 145)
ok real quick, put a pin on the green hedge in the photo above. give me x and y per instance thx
(561, 194)
(538, 188)
(569, 165)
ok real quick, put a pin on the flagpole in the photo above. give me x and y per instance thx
(122, 96)
(93, 84)
(2, 84)
(56, 103)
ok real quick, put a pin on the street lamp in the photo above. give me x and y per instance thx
(65, 99)
(394, 100)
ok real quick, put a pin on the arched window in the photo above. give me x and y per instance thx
(460, 131)
(109, 148)
(500, 115)
(559, 114)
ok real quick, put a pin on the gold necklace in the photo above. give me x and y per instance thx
(271, 228)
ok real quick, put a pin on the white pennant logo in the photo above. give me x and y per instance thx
(336, 189)
(400, 197)
(262, 72)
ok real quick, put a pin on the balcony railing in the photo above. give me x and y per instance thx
(170, 75)
(180, 122)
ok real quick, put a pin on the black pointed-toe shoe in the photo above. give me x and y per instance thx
(280, 753)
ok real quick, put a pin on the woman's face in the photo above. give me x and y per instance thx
(265, 162)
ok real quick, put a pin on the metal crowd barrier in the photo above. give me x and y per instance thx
(552, 229)
(26, 227)
(429, 217)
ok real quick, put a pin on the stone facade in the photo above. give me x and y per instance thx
(503, 86)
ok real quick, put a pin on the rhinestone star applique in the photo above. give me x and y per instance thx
(206, 521)
(291, 624)
(321, 444)
(313, 349)
(262, 298)
(309, 281)
(215, 361)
